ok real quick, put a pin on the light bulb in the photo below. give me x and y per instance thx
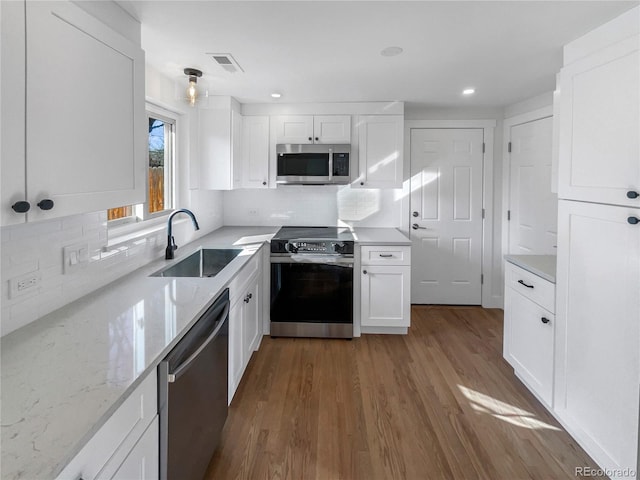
(192, 91)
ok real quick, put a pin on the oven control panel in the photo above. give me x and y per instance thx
(317, 247)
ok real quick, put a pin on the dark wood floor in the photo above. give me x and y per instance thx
(437, 403)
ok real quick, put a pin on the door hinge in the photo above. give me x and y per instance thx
(482, 279)
(508, 215)
(483, 147)
(483, 213)
(509, 147)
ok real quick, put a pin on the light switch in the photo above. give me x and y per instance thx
(75, 256)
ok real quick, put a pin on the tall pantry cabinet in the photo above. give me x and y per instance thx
(597, 374)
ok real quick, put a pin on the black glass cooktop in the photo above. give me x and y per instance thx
(313, 233)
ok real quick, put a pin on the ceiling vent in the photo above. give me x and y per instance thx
(226, 61)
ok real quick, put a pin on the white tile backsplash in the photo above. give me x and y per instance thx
(39, 247)
(314, 205)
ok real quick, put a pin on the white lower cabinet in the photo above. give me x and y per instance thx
(529, 332)
(384, 290)
(143, 461)
(127, 438)
(245, 320)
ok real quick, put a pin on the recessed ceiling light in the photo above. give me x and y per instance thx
(469, 91)
(391, 51)
(276, 95)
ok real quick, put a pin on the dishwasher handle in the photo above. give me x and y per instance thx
(177, 373)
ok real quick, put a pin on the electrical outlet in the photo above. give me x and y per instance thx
(24, 284)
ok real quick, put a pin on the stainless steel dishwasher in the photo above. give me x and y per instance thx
(192, 396)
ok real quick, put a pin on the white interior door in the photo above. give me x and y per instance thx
(446, 209)
(533, 207)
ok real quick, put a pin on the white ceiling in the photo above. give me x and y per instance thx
(329, 51)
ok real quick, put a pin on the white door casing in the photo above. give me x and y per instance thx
(446, 193)
(533, 207)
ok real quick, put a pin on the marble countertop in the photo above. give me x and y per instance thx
(64, 375)
(380, 236)
(542, 265)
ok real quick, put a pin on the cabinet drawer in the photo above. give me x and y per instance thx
(386, 255)
(531, 286)
(111, 444)
(236, 286)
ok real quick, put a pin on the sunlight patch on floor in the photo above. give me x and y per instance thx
(486, 404)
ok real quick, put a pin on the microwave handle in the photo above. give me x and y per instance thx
(330, 164)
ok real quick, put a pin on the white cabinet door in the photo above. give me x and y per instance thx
(236, 357)
(598, 329)
(380, 143)
(528, 342)
(385, 296)
(12, 153)
(293, 129)
(220, 144)
(255, 152)
(143, 461)
(332, 129)
(252, 317)
(85, 113)
(600, 127)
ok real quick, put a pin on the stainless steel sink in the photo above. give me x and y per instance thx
(206, 262)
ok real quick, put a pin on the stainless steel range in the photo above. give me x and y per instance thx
(312, 282)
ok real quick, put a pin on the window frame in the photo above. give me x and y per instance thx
(140, 212)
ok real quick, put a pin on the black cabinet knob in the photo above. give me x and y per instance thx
(545, 320)
(633, 220)
(317, 139)
(632, 194)
(45, 204)
(364, 271)
(21, 206)
(310, 138)
(361, 183)
(264, 183)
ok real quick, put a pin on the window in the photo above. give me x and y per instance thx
(161, 153)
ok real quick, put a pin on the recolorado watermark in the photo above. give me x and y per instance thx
(601, 472)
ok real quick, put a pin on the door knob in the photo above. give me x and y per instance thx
(415, 214)
(21, 206)
(632, 194)
(633, 220)
(45, 204)
(415, 226)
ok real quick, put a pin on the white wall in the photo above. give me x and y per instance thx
(39, 246)
(314, 205)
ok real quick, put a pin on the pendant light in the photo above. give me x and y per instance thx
(192, 89)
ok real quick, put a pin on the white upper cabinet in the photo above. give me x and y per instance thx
(599, 126)
(84, 121)
(328, 129)
(255, 152)
(380, 143)
(220, 140)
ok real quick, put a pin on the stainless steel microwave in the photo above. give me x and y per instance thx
(313, 164)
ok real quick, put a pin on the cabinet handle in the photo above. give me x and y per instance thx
(364, 271)
(521, 282)
(632, 194)
(21, 206)
(545, 320)
(264, 183)
(45, 204)
(633, 220)
(250, 296)
(317, 139)
(310, 138)
(361, 183)
(386, 255)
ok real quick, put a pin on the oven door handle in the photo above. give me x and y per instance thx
(310, 260)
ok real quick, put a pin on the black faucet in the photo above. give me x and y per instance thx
(171, 243)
